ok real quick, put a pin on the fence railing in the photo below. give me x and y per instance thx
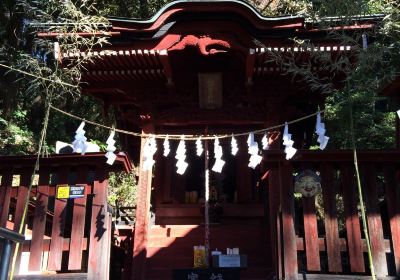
(62, 235)
(323, 234)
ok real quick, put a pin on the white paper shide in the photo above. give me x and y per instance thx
(288, 143)
(199, 147)
(149, 149)
(255, 158)
(111, 149)
(320, 131)
(80, 145)
(181, 157)
(167, 148)
(219, 163)
(234, 146)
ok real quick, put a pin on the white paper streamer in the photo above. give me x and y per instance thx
(255, 159)
(149, 149)
(167, 148)
(398, 113)
(234, 146)
(264, 142)
(181, 157)
(111, 149)
(288, 143)
(199, 147)
(320, 131)
(219, 163)
(80, 145)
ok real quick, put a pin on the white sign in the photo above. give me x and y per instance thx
(229, 261)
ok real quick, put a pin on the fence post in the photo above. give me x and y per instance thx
(9, 237)
(289, 235)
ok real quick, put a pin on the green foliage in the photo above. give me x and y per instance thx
(363, 77)
(122, 188)
(16, 138)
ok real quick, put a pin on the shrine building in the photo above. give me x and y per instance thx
(210, 68)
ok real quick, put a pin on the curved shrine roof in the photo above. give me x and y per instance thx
(205, 10)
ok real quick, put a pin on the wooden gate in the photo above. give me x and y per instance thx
(323, 234)
(62, 235)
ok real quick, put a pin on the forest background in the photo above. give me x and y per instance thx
(23, 98)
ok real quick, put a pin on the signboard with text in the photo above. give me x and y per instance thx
(70, 191)
(206, 274)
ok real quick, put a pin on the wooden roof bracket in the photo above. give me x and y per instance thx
(164, 58)
(250, 61)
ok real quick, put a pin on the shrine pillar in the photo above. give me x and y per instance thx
(273, 179)
(243, 173)
(142, 214)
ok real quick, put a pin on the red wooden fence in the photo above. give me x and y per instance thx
(65, 236)
(328, 239)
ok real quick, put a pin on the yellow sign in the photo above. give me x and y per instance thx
(62, 191)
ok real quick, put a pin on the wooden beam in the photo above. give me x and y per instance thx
(307, 276)
(353, 228)
(311, 234)
(142, 215)
(164, 59)
(393, 205)
(289, 235)
(375, 229)
(78, 222)
(58, 226)
(5, 195)
(250, 60)
(331, 219)
(99, 242)
(39, 221)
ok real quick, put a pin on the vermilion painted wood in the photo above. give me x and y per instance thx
(5, 195)
(352, 220)
(78, 222)
(243, 175)
(167, 180)
(121, 163)
(273, 184)
(98, 258)
(331, 222)
(159, 178)
(46, 245)
(21, 198)
(374, 222)
(39, 220)
(289, 235)
(311, 234)
(393, 205)
(107, 244)
(142, 216)
(19, 208)
(57, 230)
